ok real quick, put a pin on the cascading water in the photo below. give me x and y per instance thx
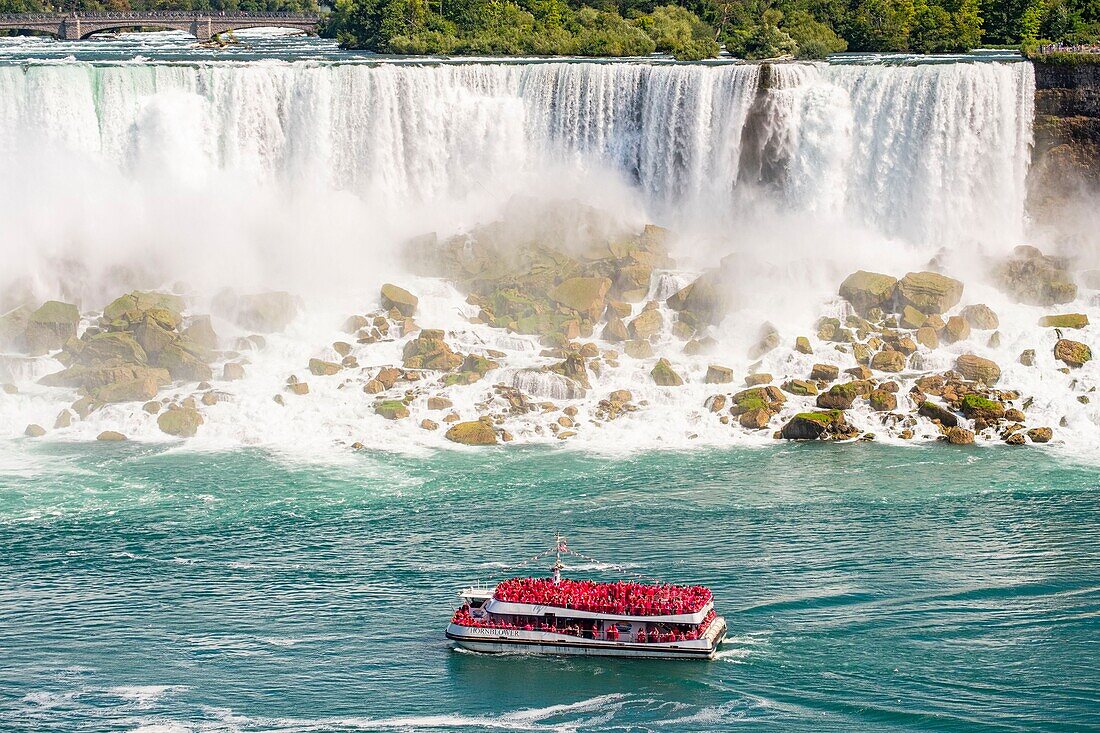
(308, 176)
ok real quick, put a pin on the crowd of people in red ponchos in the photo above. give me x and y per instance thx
(587, 629)
(623, 598)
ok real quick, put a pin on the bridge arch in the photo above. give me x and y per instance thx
(86, 34)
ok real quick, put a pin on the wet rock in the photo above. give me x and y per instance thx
(429, 351)
(427, 424)
(64, 420)
(1031, 277)
(802, 345)
(888, 361)
(1027, 357)
(815, 426)
(182, 364)
(152, 407)
(632, 281)
(912, 318)
(867, 290)
(839, 396)
(981, 317)
(200, 331)
(110, 436)
(717, 374)
(935, 413)
(182, 422)
(859, 372)
(753, 380)
(638, 349)
(113, 347)
(883, 401)
(664, 375)
(768, 398)
(1065, 320)
(929, 292)
(647, 324)
(586, 295)
(320, 368)
(354, 323)
(474, 432)
(715, 403)
(978, 369)
(34, 431)
(800, 387)
(824, 372)
(1015, 439)
(392, 409)
(1072, 353)
(1014, 415)
(959, 436)
(756, 419)
(767, 340)
(373, 386)
(133, 390)
(232, 371)
(439, 403)
(298, 388)
(956, 329)
(1040, 435)
(706, 299)
(399, 299)
(615, 331)
(50, 326)
(976, 407)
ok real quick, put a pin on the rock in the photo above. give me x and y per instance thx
(1033, 278)
(133, 390)
(824, 372)
(883, 401)
(298, 388)
(354, 323)
(1027, 357)
(13, 328)
(64, 420)
(475, 432)
(574, 368)
(113, 347)
(755, 419)
(182, 422)
(956, 329)
(976, 407)
(622, 396)
(183, 365)
(615, 331)
(266, 312)
(753, 380)
(150, 336)
(859, 372)
(319, 368)
(1040, 435)
(152, 407)
(838, 397)
(1065, 320)
(959, 436)
(110, 436)
(935, 413)
(664, 376)
(715, 403)
(647, 324)
(1015, 439)
(802, 345)
(767, 340)
(1072, 353)
(912, 318)
(617, 309)
(978, 369)
(929, 292)
(50, 326)
(373, 386)
(439, 403)
(695, 347)
(133, 307)
(717, 374)
(34, 431)
(392, 409)
(201, 332)
(232, 371)
(888, 361)
(427, 424)
(867, 290)
(706, 299)
(394, 297)
(769, 398)
(638, 349)
(981, 317)
(814, 426)
(429, 351)
(800, 387)
(994, 341)
(93, 377)
(586, 295)
(1014, 415)
(632, 281)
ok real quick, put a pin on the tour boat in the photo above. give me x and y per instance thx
(556, 615)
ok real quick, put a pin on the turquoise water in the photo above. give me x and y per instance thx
(866, 588)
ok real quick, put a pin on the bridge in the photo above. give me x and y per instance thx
(202, 25)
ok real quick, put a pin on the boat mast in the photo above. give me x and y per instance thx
(559, 544)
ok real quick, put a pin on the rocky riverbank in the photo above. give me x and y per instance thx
(503, 338)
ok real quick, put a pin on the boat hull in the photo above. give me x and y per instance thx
(489, 641)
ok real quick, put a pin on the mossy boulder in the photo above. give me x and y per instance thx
(867, 290)
(975, 406)
(182, 422)
(585, 295)
(392, 409)
(840, 396)
(911, 318)
(394, 297)
(182, 364)
(824, 372)
(133, 306)
(768, 398)
(888, 361)
(429, 351)
(883, 401)
(1031, 277)
(939, 414)
(1072, 353)
(664, 375)
(112, 347)
(929, 292)
(978, 369)
(800, 387)
(814, 426)
(475, 432)
(1065, 320)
